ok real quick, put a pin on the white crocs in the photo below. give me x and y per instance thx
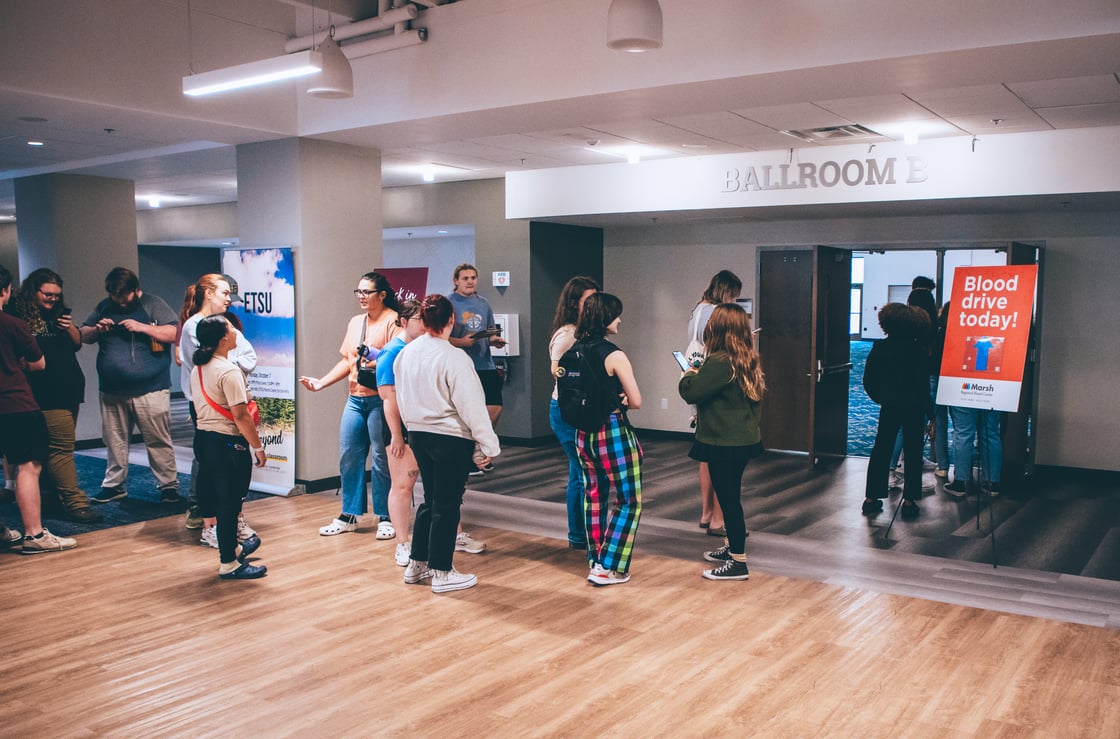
(385, 530)
(336, 527)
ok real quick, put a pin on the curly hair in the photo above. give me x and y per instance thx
(897, 319)
(24, 304)
(729, 333)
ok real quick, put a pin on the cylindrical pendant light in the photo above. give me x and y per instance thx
(634, 25)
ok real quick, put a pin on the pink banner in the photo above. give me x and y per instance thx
(410, 283)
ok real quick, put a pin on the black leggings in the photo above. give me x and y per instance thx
(227, 466)
(727, 479)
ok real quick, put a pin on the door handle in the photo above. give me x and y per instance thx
(832, 369)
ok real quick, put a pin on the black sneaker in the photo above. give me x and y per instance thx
(730, 570)
(170, 496)
(910, 511)
(994, 489)
(108, 495)
(723, 554)
(476, 471)
(957, 488)
(871, 506)
(245, 572)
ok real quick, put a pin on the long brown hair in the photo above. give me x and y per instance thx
(567, 307)
(724, 287)
(729, 332)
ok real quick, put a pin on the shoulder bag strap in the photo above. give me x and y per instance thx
(215, 406)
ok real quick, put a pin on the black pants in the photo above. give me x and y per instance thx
(227, 466)
(891, 419)
(727, 480)
(443, 461)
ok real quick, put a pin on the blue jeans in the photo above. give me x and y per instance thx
(566, 435)
(965, 429)
(360, 429)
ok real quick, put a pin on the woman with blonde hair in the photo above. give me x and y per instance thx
(724, 287)
(727, 390)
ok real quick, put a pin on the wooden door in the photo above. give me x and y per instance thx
(802, 311)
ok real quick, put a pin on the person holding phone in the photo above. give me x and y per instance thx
(727, 390)
(724, 287)
(59, 389)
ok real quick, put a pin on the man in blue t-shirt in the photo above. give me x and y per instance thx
(134, 333)
(474, 334)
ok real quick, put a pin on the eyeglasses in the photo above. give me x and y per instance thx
(50, 296)
(365, 293)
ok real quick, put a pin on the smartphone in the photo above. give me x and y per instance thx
(67, 311)
(679, 356)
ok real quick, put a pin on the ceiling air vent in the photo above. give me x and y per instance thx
(834, 134)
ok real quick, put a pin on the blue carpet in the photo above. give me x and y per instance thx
(142, 503)
(863, 415)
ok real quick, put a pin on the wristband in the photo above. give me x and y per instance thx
(256, 449)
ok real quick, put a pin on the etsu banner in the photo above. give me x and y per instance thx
(989, 322)
(266, 283)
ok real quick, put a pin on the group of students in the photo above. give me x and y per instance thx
(725, 383)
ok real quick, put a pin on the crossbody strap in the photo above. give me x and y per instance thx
(202, 386)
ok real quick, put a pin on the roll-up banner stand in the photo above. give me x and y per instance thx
(266, 283)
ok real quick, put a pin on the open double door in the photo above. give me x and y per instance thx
(804, 298)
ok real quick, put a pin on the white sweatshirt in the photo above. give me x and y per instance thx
(438, 391)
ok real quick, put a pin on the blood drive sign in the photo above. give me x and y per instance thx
(989, 321)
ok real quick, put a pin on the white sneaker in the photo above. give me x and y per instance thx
(336, 527)
(444, 581)
(416, 572)
(209, 537)
(385, 530)
(244, 530)
(602, 576)
(404, 553)
(464, 542)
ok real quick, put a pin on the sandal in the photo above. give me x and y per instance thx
(721, 531)
(705, 524)
(336, 527)
(385, 530)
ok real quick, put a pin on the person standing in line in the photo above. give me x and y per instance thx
(724, 287)
(226, 443)
(23, 432)
(210, 296)
(134, 332)
(442, 404)
(610, 456)
(473, 320)
(896, 377)
(403, 469)
(60, 389)
(727, 391)
(361, 426)
(564, 321)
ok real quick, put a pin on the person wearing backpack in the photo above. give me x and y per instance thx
(727, 390)
(572, 297)
(609, 455)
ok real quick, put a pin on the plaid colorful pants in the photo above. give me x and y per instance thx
(611, 456)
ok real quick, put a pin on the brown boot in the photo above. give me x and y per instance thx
(82, 515)
(75, 506)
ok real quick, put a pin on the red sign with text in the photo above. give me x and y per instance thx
(410, 283)
(987, 332)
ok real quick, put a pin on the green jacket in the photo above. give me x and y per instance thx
(724, 415)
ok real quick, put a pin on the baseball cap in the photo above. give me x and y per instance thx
(234, 297)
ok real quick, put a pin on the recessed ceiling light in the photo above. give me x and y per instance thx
(694, 146)
(442, 231)
(153, 202)
(35, 142)
(31, 119)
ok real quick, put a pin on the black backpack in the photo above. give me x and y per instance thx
(584, 390)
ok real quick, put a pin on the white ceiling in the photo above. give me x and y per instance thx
(96, 119)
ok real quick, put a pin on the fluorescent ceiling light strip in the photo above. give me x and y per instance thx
(251, 74)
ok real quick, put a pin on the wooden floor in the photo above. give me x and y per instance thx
(133, 635)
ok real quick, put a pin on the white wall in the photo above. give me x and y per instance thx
(440, 255)
(660, 271)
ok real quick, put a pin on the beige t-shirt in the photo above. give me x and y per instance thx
(377, 335)
(561, 342)
(225, 384)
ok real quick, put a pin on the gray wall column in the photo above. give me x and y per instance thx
(324, 200)
(81, 227)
